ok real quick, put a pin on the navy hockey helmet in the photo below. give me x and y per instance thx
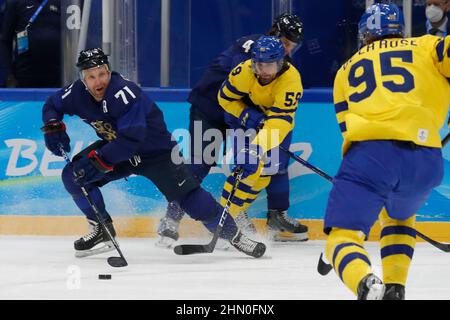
(288, 26)
(380, 20)
(92, 58)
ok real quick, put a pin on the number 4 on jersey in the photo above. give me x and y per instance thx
(121, 94)
(248, 45)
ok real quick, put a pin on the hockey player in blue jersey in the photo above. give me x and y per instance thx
(207, 112)
(134, 140)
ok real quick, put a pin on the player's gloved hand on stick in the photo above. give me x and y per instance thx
(249, 160)
(55, 136)
(90, 169)
(251, 118)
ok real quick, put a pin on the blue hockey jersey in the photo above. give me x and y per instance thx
(130, 121)
(204, 94)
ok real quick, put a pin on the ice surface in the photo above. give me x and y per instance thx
(45, 268)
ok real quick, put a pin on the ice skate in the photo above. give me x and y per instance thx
(371, 288)
(394, 291)
(168, 232)
(248, 246)
(281, 227)
(245, 224)
(222, 244)
(96, 241)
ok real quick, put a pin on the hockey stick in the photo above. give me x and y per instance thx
(446, 139)
(441, 246)
(185, 249)
(116, 262)
(307, 164)
(324, 268)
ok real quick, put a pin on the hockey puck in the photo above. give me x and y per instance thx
(104, 276)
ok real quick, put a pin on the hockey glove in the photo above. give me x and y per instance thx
(251, 119)
(231, 121)
(249, 159)
(55, 135)
(90, 169)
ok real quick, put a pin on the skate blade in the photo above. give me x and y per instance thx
(249, 232)
(289, 237)
(165, 242)
(106, 247)
(376, 292)
(222, 245)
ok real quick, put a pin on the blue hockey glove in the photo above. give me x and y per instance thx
(231, 121)
(90, 169)
(249, 159)
(55, 135)
(251, 119)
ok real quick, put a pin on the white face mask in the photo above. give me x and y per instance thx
(434, 13)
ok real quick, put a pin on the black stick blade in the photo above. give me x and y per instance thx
(117, 262)
(185, 249)
(322, 267)
(441, 246)
(446, 139)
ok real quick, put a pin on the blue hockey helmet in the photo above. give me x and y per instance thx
(268, 58)
(268, 49)
(380, 20)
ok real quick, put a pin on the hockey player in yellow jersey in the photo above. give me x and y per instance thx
(260, 96)
(391, 98)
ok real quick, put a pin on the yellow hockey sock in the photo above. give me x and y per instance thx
(348, 257)
(397, 243)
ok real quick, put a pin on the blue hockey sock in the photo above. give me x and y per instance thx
(278, 192)
(201, 206)
(174, 211)
(97, 199)
(229, 229)
(79, 198)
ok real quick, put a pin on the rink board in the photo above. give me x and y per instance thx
(145, 227)
(33, 199)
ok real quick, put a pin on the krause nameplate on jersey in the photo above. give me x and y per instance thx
(22, 37)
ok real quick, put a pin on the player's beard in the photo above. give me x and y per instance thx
(266, 79)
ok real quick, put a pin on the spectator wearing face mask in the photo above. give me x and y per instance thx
(436, 12)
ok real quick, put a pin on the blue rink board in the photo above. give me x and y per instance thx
(30, 177)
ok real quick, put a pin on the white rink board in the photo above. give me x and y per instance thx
(40, 267)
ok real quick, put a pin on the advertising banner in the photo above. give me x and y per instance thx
(30, 182)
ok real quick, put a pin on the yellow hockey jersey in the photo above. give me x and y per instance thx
(395, 89)
(278, 100)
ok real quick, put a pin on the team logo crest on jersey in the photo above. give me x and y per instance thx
(422, 135)
(105, 130)
(392, 17)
